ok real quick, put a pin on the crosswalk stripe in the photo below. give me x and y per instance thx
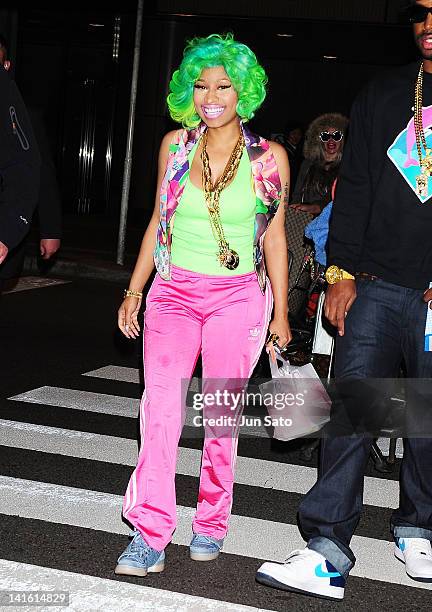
(249, 471)
(119, 373)
(69, 442)
(104, 403)
(124, 374)
(383, 444)
(33, 282)
(89, 593)
(81, 400)
(249, 537)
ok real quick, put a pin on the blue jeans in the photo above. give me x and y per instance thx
(384, 327)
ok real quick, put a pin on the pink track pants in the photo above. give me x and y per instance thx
(226, 319)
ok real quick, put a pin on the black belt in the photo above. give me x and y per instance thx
(366, 276)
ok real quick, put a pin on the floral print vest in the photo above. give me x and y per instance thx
(267, 188)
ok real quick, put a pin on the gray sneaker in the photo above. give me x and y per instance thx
(139, 558)
(204, 548)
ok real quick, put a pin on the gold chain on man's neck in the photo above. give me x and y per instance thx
(418, 115)
(425, 161)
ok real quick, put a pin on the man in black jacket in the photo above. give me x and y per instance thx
(48, 201)
(19, 167)
(380, 279)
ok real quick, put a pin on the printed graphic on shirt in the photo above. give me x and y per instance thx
(403, 153)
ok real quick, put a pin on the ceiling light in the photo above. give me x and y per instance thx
(285, 35)
(97, 25)
(331, 57)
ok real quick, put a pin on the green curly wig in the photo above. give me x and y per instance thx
(240, 64)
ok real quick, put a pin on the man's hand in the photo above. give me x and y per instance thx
(49, 246)
(3, 252)
(427, 296)
(338, 300)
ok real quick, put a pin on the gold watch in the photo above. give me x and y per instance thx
(334, 274)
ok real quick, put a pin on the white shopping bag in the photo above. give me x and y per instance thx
(322, 340)
(297, 402)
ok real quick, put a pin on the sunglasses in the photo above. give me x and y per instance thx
(326, 136)
(418, 14)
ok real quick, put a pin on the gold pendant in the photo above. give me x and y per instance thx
(229, 258)
(422, 185)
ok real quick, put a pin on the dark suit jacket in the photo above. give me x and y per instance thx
(19, 165)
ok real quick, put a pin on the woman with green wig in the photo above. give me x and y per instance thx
(218, 243)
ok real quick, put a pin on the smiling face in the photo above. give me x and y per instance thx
(423, 30)
(215, 98)
(332, 147)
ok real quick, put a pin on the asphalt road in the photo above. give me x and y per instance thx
(70, 389)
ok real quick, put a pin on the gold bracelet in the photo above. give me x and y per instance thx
(131, 293)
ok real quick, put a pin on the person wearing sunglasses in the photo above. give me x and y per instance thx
(322, 150)
(418, 12)
(379, 300)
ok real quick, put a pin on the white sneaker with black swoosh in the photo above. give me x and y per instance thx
(305, 571)
(416, 553)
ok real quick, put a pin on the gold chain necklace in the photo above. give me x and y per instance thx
(227, 257)
(425, 162)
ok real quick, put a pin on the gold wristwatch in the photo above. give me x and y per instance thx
(334, 274)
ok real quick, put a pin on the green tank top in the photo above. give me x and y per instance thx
(193, 245)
